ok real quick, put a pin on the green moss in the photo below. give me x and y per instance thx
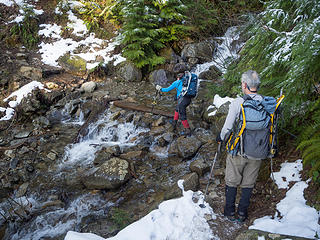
(120, 217)
(74, 64)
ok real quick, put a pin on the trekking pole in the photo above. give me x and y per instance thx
(211, 173)
(273, 150)
(154, 102)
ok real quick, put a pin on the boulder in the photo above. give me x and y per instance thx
(73, 64)
(110, 175)
(128, 72)
(159, 77)
(88, 87)
(203, 51)
(212, 74)
(31, 72)
(216, 117)
(188, 146)
(191, 182)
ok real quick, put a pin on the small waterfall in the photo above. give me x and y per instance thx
(54, 223)
(75, 119)
(226, 51)
(102, 133)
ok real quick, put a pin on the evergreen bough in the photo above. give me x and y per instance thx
(284, 47)
(147, 27)
(310, 143)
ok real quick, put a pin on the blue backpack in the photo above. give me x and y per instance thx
(190, 85)
(252, 136)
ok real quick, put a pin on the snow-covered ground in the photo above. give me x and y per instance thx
(181, 218)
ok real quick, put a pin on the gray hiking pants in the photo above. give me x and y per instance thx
(241, 171)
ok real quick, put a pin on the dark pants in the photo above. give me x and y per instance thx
(181, 107)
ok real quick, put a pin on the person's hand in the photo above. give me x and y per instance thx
(218, 138)
(158, 87)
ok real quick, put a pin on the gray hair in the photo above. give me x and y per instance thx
(251, 78)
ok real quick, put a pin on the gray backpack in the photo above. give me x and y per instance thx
(252, 136)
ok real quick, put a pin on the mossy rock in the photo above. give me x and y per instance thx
(73, 64)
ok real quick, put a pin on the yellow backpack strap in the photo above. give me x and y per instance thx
(231, 146)
(279, 100)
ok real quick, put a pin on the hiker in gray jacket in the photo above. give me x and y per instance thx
(241, 170)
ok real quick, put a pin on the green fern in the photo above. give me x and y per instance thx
(310, 142)
(26, 32)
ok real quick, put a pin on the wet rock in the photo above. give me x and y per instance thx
(22, 190)
(14, 163)
(29, 106)
(213, 73)
(137, 147)
(52, 156)
(23, 150)
(188, 146)
(10, 153)
(173, 149)
(106, 153)
(3, 228)
(29, 168)
(2, 141)
(52, 204)
(23, 134)
(202, 51)
(168, 137)
(41, 122)
(159, 122)
(102, 156)
(200, 166)
(115, 116)
(162, 142)
(205, 136)
(53, 97)
(180, 68)
(54, 116)
(129, 117)
(191, 182)
(134, 156)
(16, 142)
(155, 131)
(109, 175)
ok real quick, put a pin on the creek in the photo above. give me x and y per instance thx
(56, 200)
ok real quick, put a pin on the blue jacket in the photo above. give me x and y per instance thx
(177, 85)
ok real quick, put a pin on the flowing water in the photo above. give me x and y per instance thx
(49, 213)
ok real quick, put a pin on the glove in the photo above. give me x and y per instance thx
(218, 138)
(158, 87)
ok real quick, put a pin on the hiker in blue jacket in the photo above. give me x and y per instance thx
(241, 170)
(182, 103)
